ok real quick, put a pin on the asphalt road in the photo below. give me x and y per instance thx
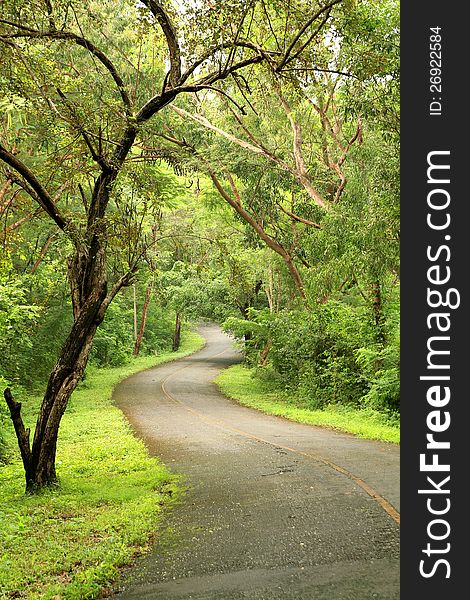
(274, 509)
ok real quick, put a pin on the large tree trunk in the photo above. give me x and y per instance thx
(62, 382)
(68, 369)
(90, 300)
(39, 461)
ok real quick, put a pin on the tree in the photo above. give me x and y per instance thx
(88, 78)
(293, 143)
(293, 163)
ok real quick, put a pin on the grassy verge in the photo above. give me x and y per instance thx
(69, 543)
(241, 384)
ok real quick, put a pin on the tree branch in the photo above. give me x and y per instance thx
(171, 39)
(309, 40)
(6, 187)
(20, 222)
(267, 239)
(301, 31)
(80, 41)
(317, 69)
(226, 46)
(299, 219)
(299, 173)
(208, 125)
(96, 156)
(159, 101)
(41, 195)
(43, 252)
(50, 14)
(301, 168)
(218, 75)
(337, 165)
(22, 433)
(124, 281)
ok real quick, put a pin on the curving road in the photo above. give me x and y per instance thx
(274, 509)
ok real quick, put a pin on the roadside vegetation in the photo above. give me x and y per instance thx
(247, 387)
(70, 541)
(324, 367)
(165, 162)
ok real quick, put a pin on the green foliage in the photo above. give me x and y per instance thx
(3, 423)
(72, 541)
(113, 342)
(267, 394)
(380, 364)
(384, 381)
(326, 356)
(58, 101)
(255, 332)
(18, 320)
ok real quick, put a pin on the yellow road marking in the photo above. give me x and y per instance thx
(387, 507)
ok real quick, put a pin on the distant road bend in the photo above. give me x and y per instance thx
(274, 509)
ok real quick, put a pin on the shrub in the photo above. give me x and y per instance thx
(327, 355)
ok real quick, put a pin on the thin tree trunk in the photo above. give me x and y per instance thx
(278, 296)
(135, 313)
(377, 308)
(177, 333)
(42, 254)
(143, 320)
(269, 289)
(6, 187)
(263, 357)
(22, 434)
(247, 335)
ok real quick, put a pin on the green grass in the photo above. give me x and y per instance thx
(69, 543)
(242, 385)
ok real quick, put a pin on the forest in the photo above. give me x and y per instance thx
(164, 164)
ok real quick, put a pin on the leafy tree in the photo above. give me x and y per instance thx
(90, 79)
(282, 152)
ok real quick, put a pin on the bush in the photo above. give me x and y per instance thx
(327, 355)
(381, 366)
(114, 340)
(316, 353)
(18, 319)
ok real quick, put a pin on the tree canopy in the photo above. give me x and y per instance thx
(228, 160)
